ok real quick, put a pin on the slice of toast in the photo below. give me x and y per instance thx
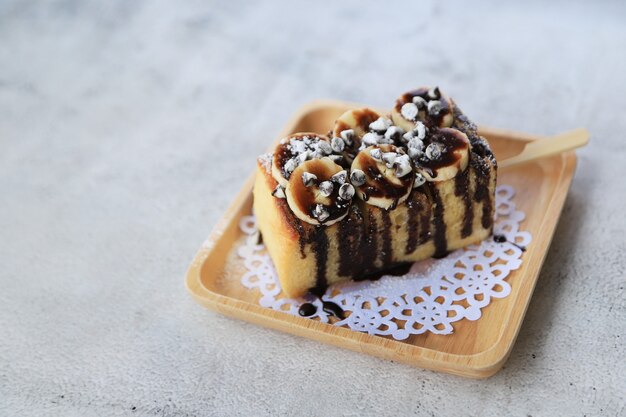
(436, 218)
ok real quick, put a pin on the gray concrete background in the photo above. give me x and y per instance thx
(126, 128)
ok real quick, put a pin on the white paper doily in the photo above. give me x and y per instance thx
(434, 294)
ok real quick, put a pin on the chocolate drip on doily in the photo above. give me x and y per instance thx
(333, 308)
(307, 310)
(502, 239)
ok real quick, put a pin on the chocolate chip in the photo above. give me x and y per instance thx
(326, 188)
(415, 148)
(304, 156)
(434, 93)
(433, 151)
(357, 177)
(389, 158)
(340, 177)
(377, 154)
(336, 158)
(370, 139)
(320, 213)
(394, 133)
(380, 125)
(324, 147)
(279, 192)
(409, 111)
(420, 102)
(420, 130)
(291, 165)
(308, 179)
(337, 144)
(419, 180)
(403, 165)
(434, 107)
(415, 153)
(347, 136)
(415, 143)
(346, 191)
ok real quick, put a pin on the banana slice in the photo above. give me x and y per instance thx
(383, 175)
(443, 154)
(319, 193)
(364, 127)
(296, 149)
(427, 105)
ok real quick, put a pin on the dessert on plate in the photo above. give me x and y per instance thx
(378, 191)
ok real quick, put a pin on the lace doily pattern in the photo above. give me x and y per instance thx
(433, 295)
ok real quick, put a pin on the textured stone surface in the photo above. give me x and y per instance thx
(127, 127)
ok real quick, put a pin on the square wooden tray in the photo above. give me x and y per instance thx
(476, 349)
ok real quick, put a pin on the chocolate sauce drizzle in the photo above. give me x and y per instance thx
(413, 222)
(481, 160)
(425, 233)
(482, 194)
(387, 249)
(439, 236)
(319, 243)
(378, 186)
(453, 144)
(350, 232)
(462, 190)
(369, 247)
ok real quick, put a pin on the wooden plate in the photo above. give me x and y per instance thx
(476, 348)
